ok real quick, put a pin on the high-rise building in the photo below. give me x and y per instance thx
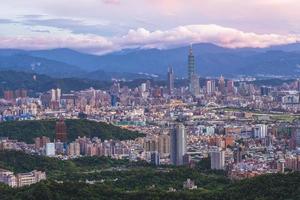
(50, 149)
(55, 94)
(170, 80)
(210, 87)
(73, 149)
(195, 86)
(264, 90)
(297, 85)
(237, 154)
(222, 85)
(8, 95)
(61, 130)
(193, 78)
(230, 87)
(164, 144)
(295, 139)
(217, 159)
(20, 93)
(178, 144)
(260, 131)
(191, 64)
(41, 142)
(143, 87)
(155, 158)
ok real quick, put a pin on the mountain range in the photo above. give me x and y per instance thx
(211, 60)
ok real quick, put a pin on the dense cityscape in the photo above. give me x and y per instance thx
(150, 100)
(243, 129)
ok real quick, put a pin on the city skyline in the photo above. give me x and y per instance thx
(100, 27)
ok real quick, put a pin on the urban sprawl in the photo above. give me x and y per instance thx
(244, 128)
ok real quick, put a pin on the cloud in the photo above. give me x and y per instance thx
(143, 38)
(111, 1)
(73, 25)
(85, 43)
(183, 35)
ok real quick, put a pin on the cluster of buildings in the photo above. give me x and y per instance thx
(242, 127)
(21, 179)
(82, 146)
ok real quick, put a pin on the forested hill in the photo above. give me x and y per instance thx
(27, 130)
(269, 187)
(122, 179)
(12, 80)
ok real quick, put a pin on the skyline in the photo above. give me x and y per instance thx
(100, 27)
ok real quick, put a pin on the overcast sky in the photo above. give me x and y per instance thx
(100, 26)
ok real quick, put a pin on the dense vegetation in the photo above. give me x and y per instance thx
(27, 130)
(121, 179)
(269, 187)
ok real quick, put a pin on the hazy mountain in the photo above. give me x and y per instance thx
(27, 63)
(211, 60)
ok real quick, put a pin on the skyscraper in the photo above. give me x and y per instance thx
(170, 80)
(260, 131)
(178, 144)
(193, 78)
(217, 159)
(61, 130)
(194, 85)
(230, 86)
(191, 64)
(222, 85)
(210, 87)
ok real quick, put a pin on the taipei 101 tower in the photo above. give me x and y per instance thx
(191, 65)
(193, 78)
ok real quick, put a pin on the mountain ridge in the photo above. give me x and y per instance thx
(211, 60)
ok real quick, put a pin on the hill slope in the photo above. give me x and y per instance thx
(27, 130)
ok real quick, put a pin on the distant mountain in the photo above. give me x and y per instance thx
(211, 60)
(27, 63)
(108, 76)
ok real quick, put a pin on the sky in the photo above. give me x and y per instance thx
(103, 26)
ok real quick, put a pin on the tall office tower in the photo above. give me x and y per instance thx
(191, 64)
(230, 87)
(222, 85)
(210, 87)
(170, 80)
(217, 159)
(178, 144)
(195, 86)
(61, 130)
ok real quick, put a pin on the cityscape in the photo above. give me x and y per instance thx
(208, 109)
